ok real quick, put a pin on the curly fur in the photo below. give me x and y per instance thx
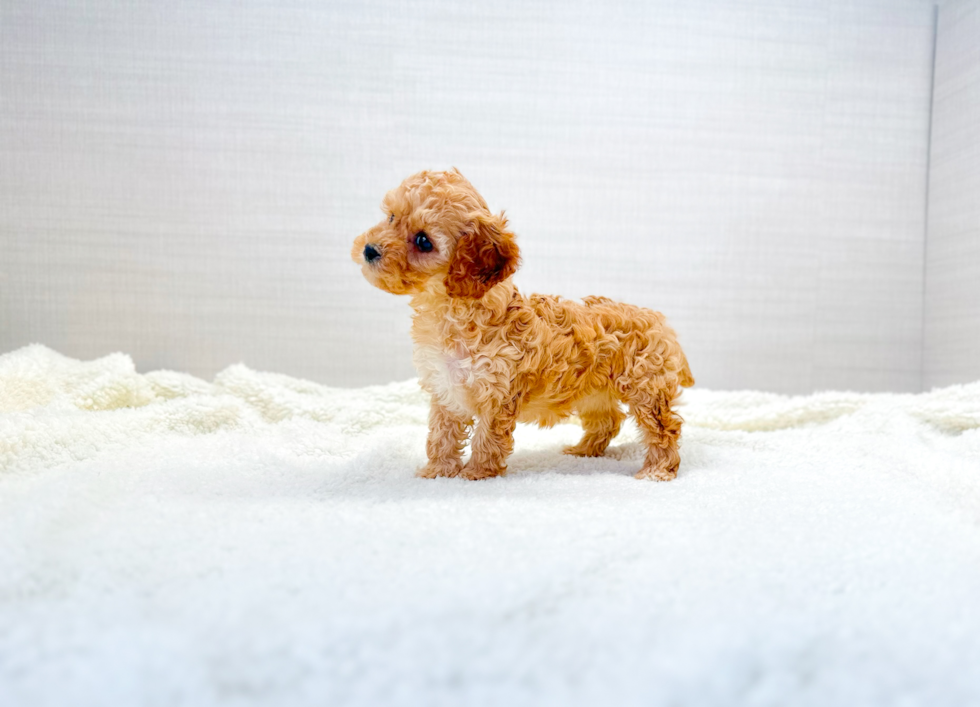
(485, 352)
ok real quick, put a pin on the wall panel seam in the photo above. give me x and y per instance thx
(925, 223)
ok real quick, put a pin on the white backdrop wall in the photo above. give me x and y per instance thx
(182, 180)
(952, 333)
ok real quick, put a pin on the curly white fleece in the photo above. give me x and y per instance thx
(262, 540)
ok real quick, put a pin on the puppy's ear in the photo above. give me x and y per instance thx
(485, 255)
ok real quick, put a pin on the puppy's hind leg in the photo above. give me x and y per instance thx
(601, 419)
(660, 427)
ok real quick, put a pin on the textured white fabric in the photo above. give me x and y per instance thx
(183, 180)
(261, 540)
(952, 331)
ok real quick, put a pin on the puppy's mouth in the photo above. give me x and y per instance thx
(371, 273)
(383, 269)
(374, 271)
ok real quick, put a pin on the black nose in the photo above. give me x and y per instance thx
(371, 253)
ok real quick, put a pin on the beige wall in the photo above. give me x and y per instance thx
(952, 332)
(182, 181)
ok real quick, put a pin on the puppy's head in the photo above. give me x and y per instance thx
(437, 230)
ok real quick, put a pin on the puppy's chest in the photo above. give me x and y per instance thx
(445, 364)
(447, 372)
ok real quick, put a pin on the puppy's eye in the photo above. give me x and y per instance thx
(422, 242)
(391, 218)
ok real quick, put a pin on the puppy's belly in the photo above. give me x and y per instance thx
(447, 376)
(545, 411)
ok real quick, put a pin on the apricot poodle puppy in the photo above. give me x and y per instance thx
(486, 352)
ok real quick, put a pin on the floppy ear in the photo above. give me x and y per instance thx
(485, 255)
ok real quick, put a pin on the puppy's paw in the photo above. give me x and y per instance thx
(475, 472)
(654, 474)
(431, 471)
(584, 450)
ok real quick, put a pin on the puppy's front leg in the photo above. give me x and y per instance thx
(492, 443)
(444, 447)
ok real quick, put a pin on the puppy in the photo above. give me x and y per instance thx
(486, 352)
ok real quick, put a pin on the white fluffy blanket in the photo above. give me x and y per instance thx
(262, 540)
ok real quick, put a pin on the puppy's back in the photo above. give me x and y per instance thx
(612, 326)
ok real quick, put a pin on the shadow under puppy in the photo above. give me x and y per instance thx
(484, 351)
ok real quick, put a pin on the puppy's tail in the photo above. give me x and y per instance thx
(685, 377)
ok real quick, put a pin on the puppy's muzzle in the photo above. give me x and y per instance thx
(371, 253)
